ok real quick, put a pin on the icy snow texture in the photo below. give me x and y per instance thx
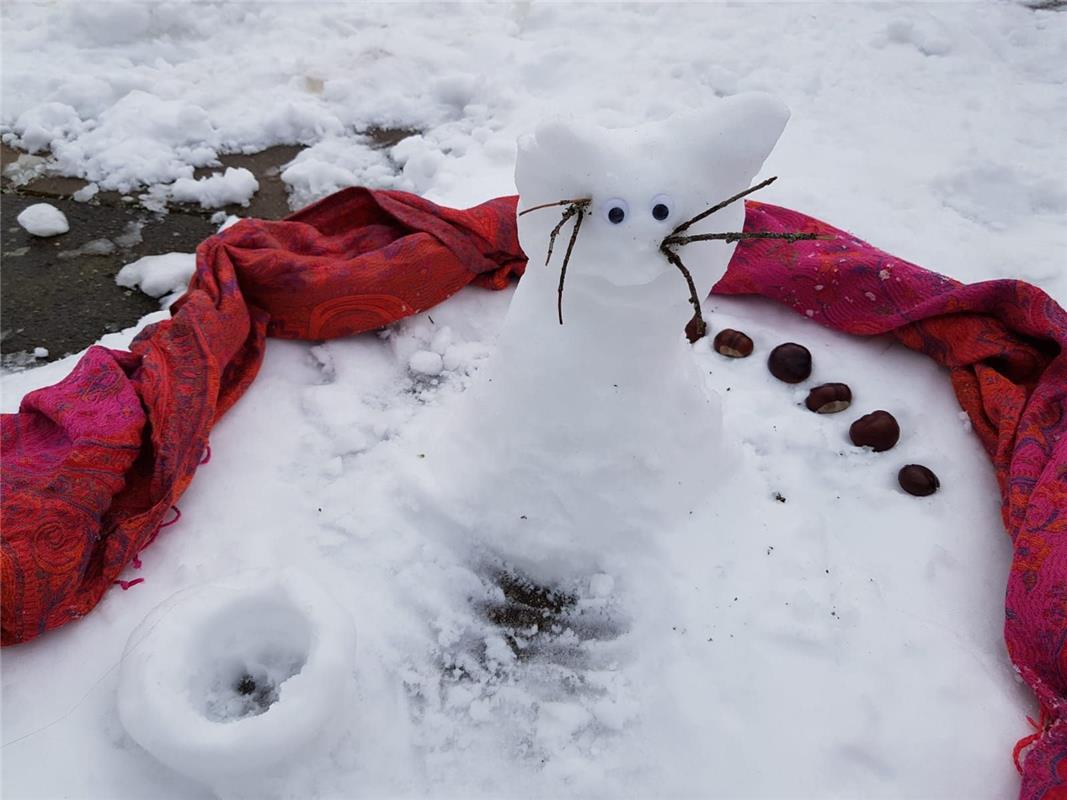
(230, 683)
(43, 219)
(620, 438)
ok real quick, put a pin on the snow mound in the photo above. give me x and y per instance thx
(159, 275)
(140, 139)
(39, 126)
(43, 219)
(235, 680)
(335, 163)
(235, 185)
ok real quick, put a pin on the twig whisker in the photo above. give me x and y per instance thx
(582, 201)
(718, 206)
(580, 211)
(570, 212)
(700, 327)
(736, 236)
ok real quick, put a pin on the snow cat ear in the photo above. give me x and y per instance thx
(561, 160)
(739, 133)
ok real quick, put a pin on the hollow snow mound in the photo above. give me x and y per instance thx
(234, 680)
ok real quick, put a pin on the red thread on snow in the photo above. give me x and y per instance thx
(177, 516)
(1045, 720)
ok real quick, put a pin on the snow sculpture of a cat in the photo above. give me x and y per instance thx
(598, 433)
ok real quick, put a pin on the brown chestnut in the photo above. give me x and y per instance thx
(733, 344)
(878, 430)
(790, 362)
(918, 480)
(829, 398)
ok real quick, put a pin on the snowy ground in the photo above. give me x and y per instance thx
(843, 643)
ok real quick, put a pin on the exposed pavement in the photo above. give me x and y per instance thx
(59, 293)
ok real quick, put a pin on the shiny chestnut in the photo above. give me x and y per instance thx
(918, 480)
(733, 344)
(878, 430)
(829, 398)
(790, 362)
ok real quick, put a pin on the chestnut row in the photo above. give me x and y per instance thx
(791, 362)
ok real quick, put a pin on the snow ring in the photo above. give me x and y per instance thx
(238, 677)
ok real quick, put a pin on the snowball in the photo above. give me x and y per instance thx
(158, 275)
(426, 362)
(40, 352)
(233, 681)
(235, 185)
(43, 219)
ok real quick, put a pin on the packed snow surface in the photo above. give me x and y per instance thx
(43, 219)
(812, 613)
(811, 632)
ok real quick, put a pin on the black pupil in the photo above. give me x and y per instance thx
(660, 211)
(616, 215)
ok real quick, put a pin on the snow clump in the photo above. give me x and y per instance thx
(43, 219)
(235, 185)
(159, 275)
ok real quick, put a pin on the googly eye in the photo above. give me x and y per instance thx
(661, 207)
(615, 210)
